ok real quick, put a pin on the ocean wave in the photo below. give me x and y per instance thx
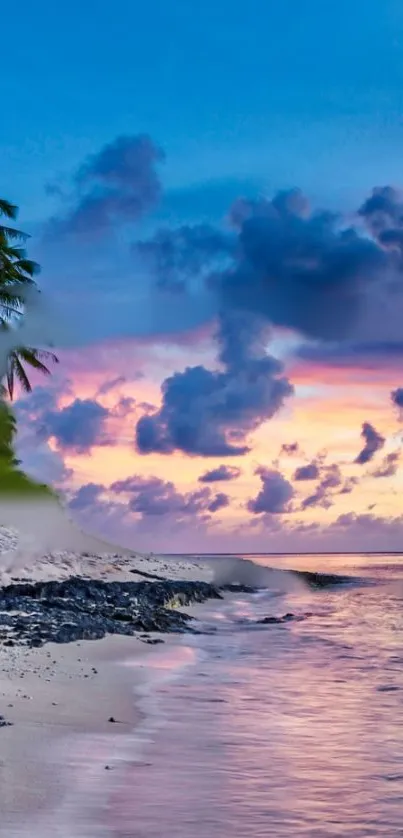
(236, 573)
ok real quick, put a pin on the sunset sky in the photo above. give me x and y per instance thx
(213, 193)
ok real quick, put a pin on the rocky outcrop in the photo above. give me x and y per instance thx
(323, 580)
(81, 609)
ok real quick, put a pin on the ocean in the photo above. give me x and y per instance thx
(279, 729)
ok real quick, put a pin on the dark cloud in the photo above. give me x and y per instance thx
(331, 479)
(397, 397)
(373, 443)
(186, 256)
(274, 496)
(349, 484)
(77, 427)
(304, 270)
(308, 472)
(210, 413)
(117, 185)
(309, 271)
(220, 473)
(86, 496)
(220, 501)
(388, 466)
(366, 354)
(290, 448)
(383, 215)
(151, 496)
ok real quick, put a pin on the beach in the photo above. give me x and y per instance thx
(52, 693)
(270, 706)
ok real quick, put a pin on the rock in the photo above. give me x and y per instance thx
(270, 621)
(152, 641)
(287, 618)
(87, 609)
(322, 580)
(111, 719)
(3, 722)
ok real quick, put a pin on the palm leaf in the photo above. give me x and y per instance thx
(8, 209)
(28, 266)
(32, 357)
(11, 233)
(17, 271)
(16, 370)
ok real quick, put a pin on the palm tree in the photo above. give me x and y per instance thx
(16, 277)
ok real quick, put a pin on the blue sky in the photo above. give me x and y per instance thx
(286, 93)
(207, 337)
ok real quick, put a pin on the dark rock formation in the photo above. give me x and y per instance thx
(323, 580)
(82, 609)
(287, 618)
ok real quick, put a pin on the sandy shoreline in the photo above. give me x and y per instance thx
(59, 698)
(48, 695)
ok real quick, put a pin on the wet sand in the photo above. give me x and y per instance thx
(47, 695)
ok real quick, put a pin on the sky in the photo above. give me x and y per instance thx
(213, 192)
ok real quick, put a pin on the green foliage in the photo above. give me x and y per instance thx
(14, 482)
(16, 277)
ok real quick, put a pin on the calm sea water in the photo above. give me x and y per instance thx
(280, 730)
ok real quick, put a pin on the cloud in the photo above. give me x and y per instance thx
(115, 186)
(349, 485)
(397, 397)
(222, 472)
(365, 354)
(210, 413)
(41, 462)
(304, 270)
(111, 384)
(220, 501)
(86, 496)
(373, 443)
(313, 272)
(290, 448)
(388, 466)
(383, 215)
(185, 256)
(308, 472)
(274, 496)
(151, 496)
(77, 427)
(124, 407)
(331, 478)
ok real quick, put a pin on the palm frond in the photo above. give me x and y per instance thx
(8, 209)
(16, 273)
(28, 266)
(12, 233)
(34, 358)
(16, 370)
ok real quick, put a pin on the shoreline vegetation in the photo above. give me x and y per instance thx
(13, 481)
(17, 283)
